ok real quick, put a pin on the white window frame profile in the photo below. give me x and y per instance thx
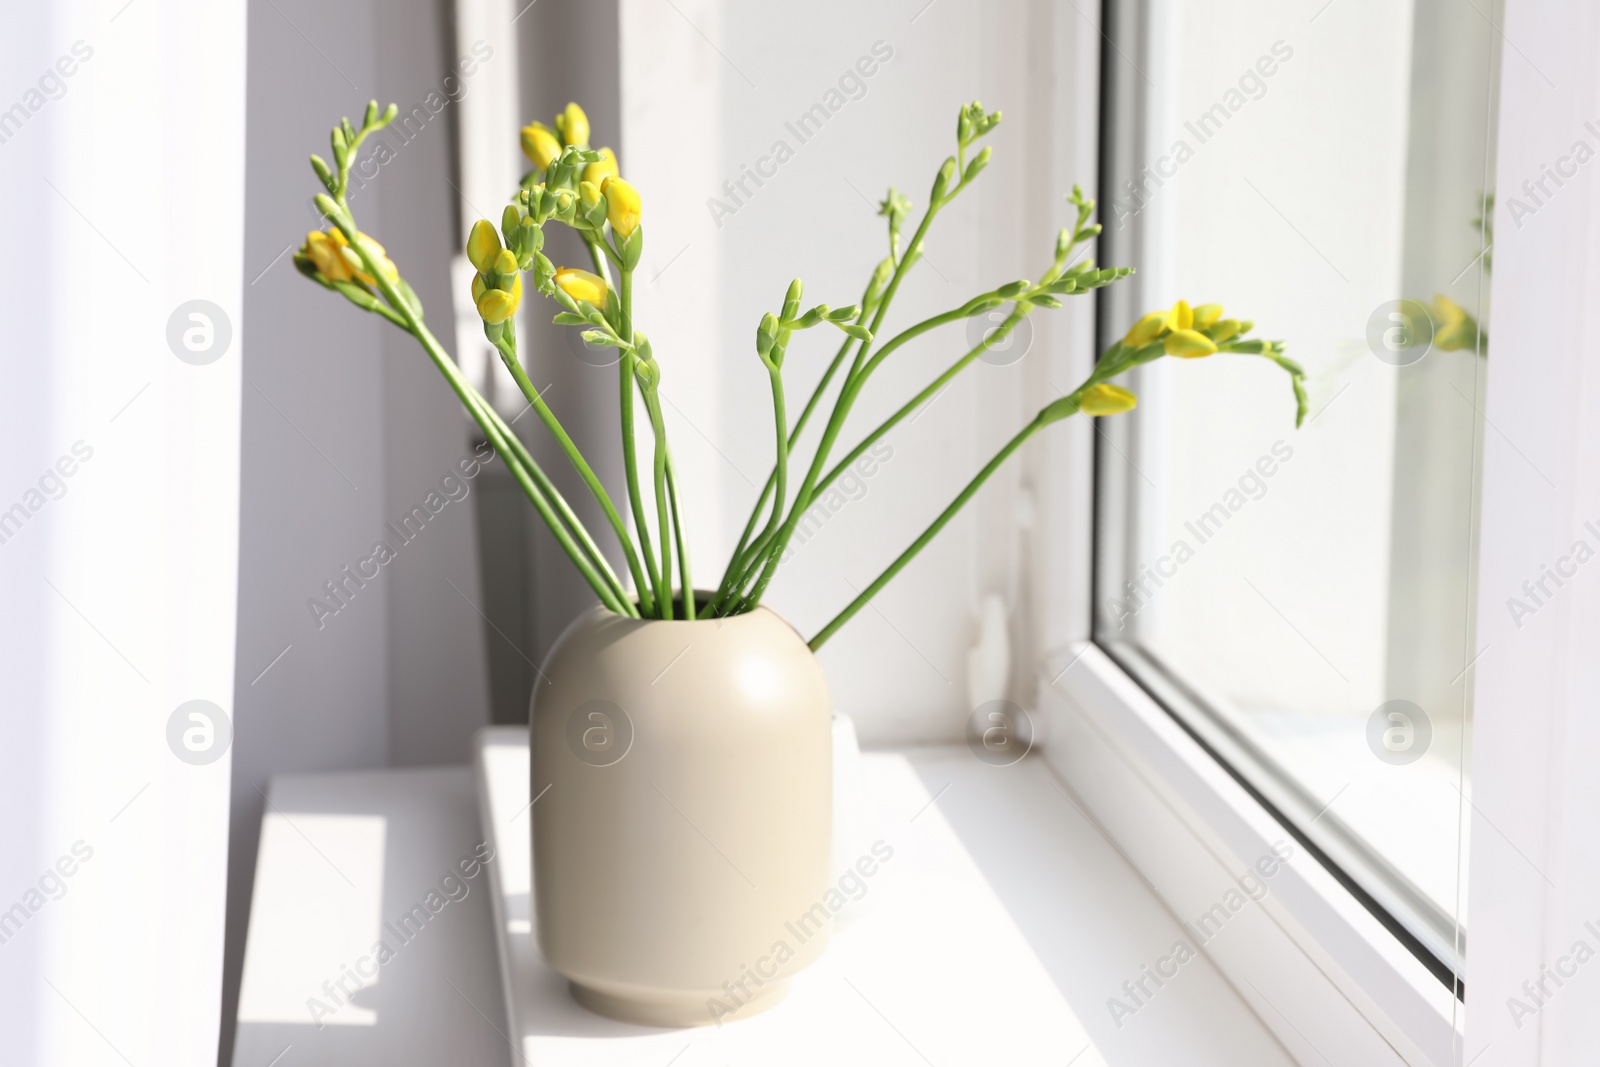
(1318, 967)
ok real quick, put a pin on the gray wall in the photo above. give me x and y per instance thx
(346, 426)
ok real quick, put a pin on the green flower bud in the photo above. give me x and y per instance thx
(941, 181)
(320, 165)
(766, 335)
(1064, 243)
(812, 317)
(648, 373)
(975, 168)
(1106, 399)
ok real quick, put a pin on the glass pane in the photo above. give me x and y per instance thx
(1302, 599)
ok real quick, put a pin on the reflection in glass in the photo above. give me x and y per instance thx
(1303, 600)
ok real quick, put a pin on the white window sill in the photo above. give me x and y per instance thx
(997, 933)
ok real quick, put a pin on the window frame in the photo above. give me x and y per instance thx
(1349, 984)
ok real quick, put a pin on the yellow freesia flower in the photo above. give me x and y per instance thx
(1104, 398)
(498, 305)
(623, 206)
(581, 285)
(1189, 344)
(573, 125)
(588, 194)
(540, 145)
(1147, 329)
(325, 254)
(483, 244)
(1206, 315)
(1181, 317)
(602, 168)
(353, 261)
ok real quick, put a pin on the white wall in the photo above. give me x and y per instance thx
(121, 197)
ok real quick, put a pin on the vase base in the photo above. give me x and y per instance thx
(674, 1011)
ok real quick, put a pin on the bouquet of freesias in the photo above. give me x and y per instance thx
(581, 187)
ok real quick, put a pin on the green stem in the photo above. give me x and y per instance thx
(737, 563)
(841, 409)
(915, 402)
(907, 261)
(480, 411)
(630, 465)
(630, 451)
(478, 408)
(559, 504)
(773, 551)
(683, 551)
(781, 467)
(930, 533)
(508, 355)
(652, 404)
(597, 252)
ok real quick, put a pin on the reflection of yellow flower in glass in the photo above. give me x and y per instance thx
(581, 285)
(1106, 399)
(623, 206)
(602, 168)
(540, 145)
(1456, 329)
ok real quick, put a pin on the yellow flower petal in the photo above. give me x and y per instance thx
(496, 306)
(1146, 330)
(1106, 399)
(540, 145)
(573, 125)
(1189, 344)
(1181, 317)
(623, 206)
(324, 252)
(1206, 314)
(603, 168)
(483, 244)
(581, 285)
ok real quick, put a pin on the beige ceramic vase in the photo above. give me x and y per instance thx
(681, 832)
